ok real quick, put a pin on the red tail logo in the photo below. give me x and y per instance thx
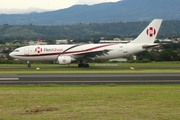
(151, 32)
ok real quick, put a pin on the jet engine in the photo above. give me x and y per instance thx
(64, 59)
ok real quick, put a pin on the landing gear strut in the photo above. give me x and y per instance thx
(28, 64)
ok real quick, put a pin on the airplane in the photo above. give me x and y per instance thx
(66, 54)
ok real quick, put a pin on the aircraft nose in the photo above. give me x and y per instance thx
(11, 54)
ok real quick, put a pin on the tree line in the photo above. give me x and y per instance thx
(84, 32)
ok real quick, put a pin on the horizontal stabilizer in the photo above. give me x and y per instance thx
(150, 46)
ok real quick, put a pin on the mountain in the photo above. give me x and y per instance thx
(126, 10)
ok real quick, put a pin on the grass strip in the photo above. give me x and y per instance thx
(156, 67)
(102, 102)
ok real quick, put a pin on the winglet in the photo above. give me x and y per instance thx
(149, 33)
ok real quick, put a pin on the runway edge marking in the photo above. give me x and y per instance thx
(6, 79)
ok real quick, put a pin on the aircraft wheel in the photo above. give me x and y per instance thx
(86, 65)
(79, 65)
(83, 65)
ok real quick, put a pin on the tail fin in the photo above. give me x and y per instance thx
(149, 34)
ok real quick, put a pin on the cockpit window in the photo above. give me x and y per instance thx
(16, 51)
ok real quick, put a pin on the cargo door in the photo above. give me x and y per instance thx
(123, 49)
(31, 50)
(26, 51)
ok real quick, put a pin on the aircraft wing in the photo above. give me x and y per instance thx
(92, 54)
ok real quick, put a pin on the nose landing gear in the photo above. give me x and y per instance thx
(28, 64)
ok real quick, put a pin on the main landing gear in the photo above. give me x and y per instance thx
(28, 64)
(83, 64)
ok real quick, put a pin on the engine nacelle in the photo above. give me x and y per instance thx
(64, 59)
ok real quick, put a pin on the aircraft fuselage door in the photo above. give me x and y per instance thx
(26, 51)
(123, 49)
(30, 50)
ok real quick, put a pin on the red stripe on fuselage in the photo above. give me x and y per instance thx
(37, 55)
(86, 50)
(70, 52)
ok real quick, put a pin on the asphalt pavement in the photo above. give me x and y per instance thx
(162, 78)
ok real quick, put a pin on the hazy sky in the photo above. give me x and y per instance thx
(45, 4)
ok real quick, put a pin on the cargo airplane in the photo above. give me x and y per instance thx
(66, 54)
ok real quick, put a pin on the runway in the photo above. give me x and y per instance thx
(163, 78)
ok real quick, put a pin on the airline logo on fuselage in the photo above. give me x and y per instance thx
(53, 49)
(39, 49)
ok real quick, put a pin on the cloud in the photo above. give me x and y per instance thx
(45, 4)
(21, 11)
(91, 2)
(8, 7)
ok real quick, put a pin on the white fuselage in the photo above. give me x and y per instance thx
(51, 52)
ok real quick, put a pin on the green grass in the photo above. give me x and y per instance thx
(106, 102)
(119, 64)
(156, 67)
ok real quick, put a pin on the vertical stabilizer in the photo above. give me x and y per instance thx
(149, 33)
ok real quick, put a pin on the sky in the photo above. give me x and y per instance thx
(15, 6)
